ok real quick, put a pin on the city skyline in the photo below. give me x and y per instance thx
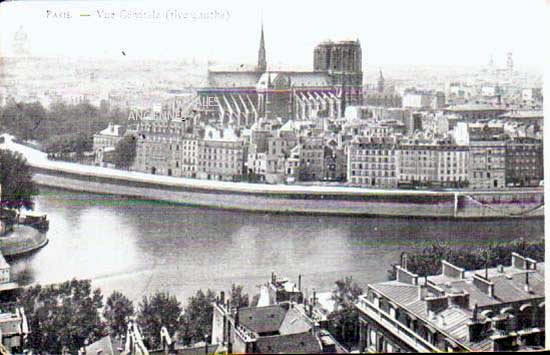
(433, 37)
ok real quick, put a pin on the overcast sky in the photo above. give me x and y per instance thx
(440, 32)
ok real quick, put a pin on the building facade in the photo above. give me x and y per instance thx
(221, 156)
(165, 148)
(107, 138)
(524, 162)
(373, 162)
(312, 158)
(495, 309)
(433, 164)
(487, 163)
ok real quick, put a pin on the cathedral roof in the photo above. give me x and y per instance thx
(233, 78)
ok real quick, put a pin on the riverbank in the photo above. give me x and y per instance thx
(326, 200)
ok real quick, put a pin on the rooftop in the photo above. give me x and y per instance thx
(523, 281)
(301, 343)
(523, 114)
(474, 107)
(262, 319)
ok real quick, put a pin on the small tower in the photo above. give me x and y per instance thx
(380, 87)
(510, 62)
(262, 63)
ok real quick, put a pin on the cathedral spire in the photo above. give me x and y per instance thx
(262, 64)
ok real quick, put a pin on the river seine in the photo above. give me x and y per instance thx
(139, 247)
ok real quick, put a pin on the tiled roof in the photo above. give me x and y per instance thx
(197, 350)
(302, 343)
(107, 346)
(474, 107)
(509, 287)
(294, 323)
(398, 292)
(233, 79)
(262, 319)
(3, 263)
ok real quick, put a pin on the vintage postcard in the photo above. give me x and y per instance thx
(218, 177)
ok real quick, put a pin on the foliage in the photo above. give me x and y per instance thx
(118, 309)
(197, 318)
(161, 309)
(23, 120)
(68, 143)
(428, 261)
(238, 298)
(63, 315)
(31, 121)
(344, 320)
(18, 188)
(125, 152)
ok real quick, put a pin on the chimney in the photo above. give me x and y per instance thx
(405, 276)
(475, 331)
(300, 282)
(475, 327)
(435, 305)
(523, 263)
(222, 297)
(461, 300)
(314, 300)
(484, 285)
(451, 270)
(312, 303)
(526, 287)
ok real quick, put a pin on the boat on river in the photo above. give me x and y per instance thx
(36, 220)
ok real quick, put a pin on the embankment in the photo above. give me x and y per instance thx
(300, 199)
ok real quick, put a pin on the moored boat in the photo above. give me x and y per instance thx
(36, 220)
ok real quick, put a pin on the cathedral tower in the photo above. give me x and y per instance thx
(380, 84)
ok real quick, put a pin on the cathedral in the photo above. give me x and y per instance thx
(245, 94)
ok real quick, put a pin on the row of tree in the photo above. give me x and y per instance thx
(71, 314)
(428, 260)
(49, 127)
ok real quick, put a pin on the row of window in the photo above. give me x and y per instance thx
(373, 173)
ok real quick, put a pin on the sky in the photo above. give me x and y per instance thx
(417, 32)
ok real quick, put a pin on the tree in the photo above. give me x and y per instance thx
(344, 320)
(125, 152)
(238, 298)
(197, 318)
(161, 309)
(63, 315)
(118, 309)
(23, 120)
(68, 143)
(428, 261)
(16, 182)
